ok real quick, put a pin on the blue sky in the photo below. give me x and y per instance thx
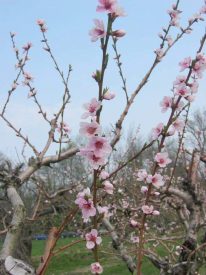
(69, 23)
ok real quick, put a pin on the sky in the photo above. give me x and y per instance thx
(68, 25)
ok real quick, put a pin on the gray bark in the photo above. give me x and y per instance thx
(117, 245)
(11, 247)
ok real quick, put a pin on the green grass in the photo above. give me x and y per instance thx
(76, 260)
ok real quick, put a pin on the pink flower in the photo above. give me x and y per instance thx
(147, 209)
(201, 57)
(191, 98)
(103, 210)
(162, 159)
(106, 5)
(40, 22)
(42, 25)
(119, 33)
(27, 78)
(174, 14)
(182, 90)
(144, 189)
(96, 268)
(166, 103)
(142, 175)
(94, 160)
(171, 131)
(134, 239)
(103, 175)
(64, 128)
(100, 146)
(185, 63)
(125, 204)
(92, 239)
(198, 68)
(169, 40)
(133, 223)
(155, 213)
(180, 80)
(88, 210)
(159, 52)
(85, 204)
(118, 11)
(195, 17)
(156, 180)
(92, 107)
(179, 106)
(85, 193)
(27, 46)
(178, 125)
(110, 6)
(108, 187)
(108, 95)
(89, 129)
(194, 86)
(98, 31)
(156, 132)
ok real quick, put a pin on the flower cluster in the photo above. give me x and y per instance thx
(183, 90)
(187, 89)
(174, 14)
(104, 210)
(107, 185)
(98, 147)
(85, 203)
(63, 128)
(149, 210)
(110, 7)
(27, 47)
(27, 78)
(41, 23)
(156, 179)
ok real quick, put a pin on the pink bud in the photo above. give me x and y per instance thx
(119, 33)
(133, 223)
(40, 22)
(144, 189)
(108, 187)
(108, 95)
(155, 213)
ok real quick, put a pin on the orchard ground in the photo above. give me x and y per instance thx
(76, 259)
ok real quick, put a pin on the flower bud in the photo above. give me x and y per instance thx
(119, 33)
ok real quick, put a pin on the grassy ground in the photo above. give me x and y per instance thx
(77, 259)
